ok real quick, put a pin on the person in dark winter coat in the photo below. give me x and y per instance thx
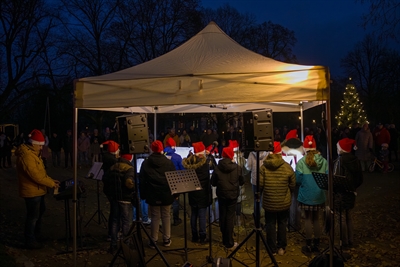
(155, 190)
(119, 186)
(277, 180)
(347, 165)
(227, 177)
(176, 159)
(201, 199)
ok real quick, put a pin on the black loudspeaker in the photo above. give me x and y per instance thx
(258, 134)
(133, 134)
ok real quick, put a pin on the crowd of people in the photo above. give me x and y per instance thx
(286, 188)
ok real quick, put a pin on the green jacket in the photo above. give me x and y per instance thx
(277, 180)
(32, 177)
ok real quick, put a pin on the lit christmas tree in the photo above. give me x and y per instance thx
(351, 110)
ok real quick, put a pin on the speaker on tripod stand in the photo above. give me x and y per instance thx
(133, 137)
(257, 136)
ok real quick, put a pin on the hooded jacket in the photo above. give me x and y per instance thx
(347, 165)
(32, 177)
(175, 158)
(200, 198)
(119, 181)
(309, 192)
(153, 184)
(251, 164)
(277, 180)
(227, 177)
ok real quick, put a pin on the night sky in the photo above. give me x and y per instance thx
(326, 30)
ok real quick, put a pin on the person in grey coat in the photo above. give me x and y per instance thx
(364, 143)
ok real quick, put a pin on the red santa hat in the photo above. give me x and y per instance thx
(157, 146)
(36, 137)
(277, 147)
(199, 148)
(345, 145)
(234, 145)
(291, 134)
(128, 157)
(211, 150)
(309, 143)
(227, 152)
(112, 147)
(170, 142)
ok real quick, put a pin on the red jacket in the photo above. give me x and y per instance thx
(381, 136)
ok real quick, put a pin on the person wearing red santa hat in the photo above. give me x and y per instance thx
(311, 198)
(119, 186)
(176, 159)
(33, 182)
(349, 166)
(154, 188)
(227, 177)
(201, 199)
(277, 180)
(110, 154)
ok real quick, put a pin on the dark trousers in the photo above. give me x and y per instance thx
(56, 158)
(175, 210)
(227, 209)
(68, 156)
(35, 208)
(276, 240)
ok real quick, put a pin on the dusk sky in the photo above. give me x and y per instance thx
(326, 30)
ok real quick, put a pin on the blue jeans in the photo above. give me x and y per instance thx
(198, 213)
(121, 219)
(276, 240)
(144, 209)
(35, 208)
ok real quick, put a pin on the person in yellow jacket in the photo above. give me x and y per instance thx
(33, 182)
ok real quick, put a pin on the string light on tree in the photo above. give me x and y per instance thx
(351, 110)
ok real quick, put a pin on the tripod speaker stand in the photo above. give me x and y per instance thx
(96, 173)
(183, 181)
(257, 229)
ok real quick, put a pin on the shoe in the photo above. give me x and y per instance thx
(33, 245)
(152, 244)
(306, 250)
(148, 222)
(281, 252)
(177, 222)
(167, 243)
(233, 247)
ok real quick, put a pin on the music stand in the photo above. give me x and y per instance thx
(96, 173)
(181, 182)
(340, 185)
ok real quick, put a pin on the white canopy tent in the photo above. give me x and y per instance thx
(208, 73)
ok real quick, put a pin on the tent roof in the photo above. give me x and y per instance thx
(210, 69)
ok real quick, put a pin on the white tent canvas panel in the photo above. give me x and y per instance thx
(209, 69)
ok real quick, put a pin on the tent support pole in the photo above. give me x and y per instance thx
(301, 122)
(155, 125)
(75, 177)
(330, 179)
